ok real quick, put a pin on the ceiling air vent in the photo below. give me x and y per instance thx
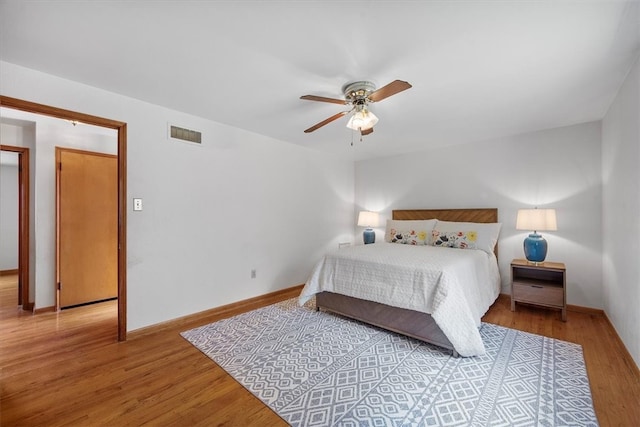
(185, 134)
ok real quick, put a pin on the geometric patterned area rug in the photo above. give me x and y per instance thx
(319, 369)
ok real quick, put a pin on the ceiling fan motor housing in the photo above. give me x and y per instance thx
(358, 92)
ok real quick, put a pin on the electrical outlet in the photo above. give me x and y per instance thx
(253, 273)
(137, 204)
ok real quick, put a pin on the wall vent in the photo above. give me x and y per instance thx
(185, 134)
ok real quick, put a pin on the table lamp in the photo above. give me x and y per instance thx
(535, 246)
(369, 220)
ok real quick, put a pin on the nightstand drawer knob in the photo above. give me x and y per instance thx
(537, 286)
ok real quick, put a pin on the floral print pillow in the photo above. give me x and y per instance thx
(408, 237)
(455, 239)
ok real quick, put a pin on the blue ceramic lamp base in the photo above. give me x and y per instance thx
(535, 248)
(369, 236)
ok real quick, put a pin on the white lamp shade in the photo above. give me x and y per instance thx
(536, 220)
(362, 120)
(368, 219)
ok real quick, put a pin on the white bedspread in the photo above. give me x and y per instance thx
(455, 286)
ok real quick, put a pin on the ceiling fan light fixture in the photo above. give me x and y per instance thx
(362, 120)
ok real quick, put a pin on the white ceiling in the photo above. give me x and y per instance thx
(479, 69)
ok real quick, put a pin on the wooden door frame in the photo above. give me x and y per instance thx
(121, 128)
(23, 224)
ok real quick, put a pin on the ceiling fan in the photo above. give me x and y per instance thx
(358, 95)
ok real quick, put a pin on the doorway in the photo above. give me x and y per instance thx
(121, 129)
(23, 223)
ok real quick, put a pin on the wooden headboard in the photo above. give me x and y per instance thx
(459, 215)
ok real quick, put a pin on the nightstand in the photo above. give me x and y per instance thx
(541, 284)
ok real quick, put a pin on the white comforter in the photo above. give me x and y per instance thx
(455, 286)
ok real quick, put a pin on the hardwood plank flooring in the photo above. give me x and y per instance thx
(68, 368)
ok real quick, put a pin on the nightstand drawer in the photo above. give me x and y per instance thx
(538, 294)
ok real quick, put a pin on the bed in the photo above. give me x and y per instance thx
(377, 283)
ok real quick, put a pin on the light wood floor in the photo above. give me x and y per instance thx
(68, 368)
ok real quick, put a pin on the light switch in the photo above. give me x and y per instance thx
(137, 204)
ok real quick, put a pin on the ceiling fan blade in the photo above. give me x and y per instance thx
(323, 99)
(326, 121)
(366, 132)
(392, 88)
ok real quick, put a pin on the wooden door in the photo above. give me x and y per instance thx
(87, 226)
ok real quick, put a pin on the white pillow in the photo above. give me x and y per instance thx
(409, 232)
(487, 233)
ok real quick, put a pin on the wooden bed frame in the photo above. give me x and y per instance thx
(407, 322)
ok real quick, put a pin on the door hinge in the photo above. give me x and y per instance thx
(60, 165)
(59, 285)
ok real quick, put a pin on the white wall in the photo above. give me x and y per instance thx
(211, 212)
(9, 214)
(621, 212)
(556, 168)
